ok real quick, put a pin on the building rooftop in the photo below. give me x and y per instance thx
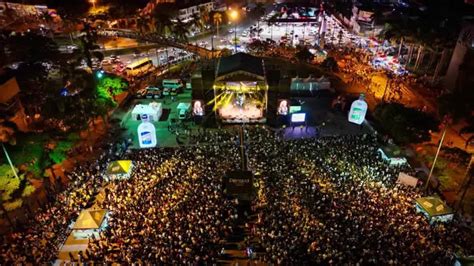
(242, 62)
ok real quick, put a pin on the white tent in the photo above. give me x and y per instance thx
(184, 106)
(153, 110)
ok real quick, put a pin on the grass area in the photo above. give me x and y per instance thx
(32, 152)
(449, 169)
(29, 152)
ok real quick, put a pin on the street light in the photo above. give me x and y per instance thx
(93, 3)
(234, 15)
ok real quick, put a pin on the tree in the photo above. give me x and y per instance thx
(197, 21)
(258, 12)
(89, 39)
(31, 48)
(162, 15)
(304, 55)
(6, 135)
(180, 31)
(405, 125)
(271, 22)
(330, 64)
(205, 16)
(217, 20)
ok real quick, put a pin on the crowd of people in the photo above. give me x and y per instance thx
(333, 200)
(329, 200)
(38, 239)
(172, 210)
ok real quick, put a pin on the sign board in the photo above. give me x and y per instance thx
(239, 184)
(146, 133)
(407, 180)
(295, 108)
(358, 111)
(298, 117)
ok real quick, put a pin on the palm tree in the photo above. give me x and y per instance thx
(204, 13)
(181, 30)
(197, 21)
(217, 19)
(142, 25)
(271, 22)
(163, 24)
(259, 11)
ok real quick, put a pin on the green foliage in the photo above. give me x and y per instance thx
(12, 205)
(8, 182)
(29, 189)
(109, 86)
(29, 151)
(59, 153)
(405, 125)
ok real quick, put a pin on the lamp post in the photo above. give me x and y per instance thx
(445, 122)
(234, 15)
(93, 3)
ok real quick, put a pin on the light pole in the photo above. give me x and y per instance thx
(437, 152)
(93, 3)
(234, 15)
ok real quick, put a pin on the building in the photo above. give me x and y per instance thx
(11, 108)
(188, 8)
(460, 69)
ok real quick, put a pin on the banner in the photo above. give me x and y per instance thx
(407, 180)
(358, 111)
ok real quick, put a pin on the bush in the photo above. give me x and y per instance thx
(29, 189)
(8, 182)
(10, 206)
(59, 153)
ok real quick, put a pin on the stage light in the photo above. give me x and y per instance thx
(298, 117)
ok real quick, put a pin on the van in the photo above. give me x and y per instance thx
(182, 114)
(172, 83)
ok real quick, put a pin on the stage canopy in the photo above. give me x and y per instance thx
(90, 219)
(119, 170)
(434, 209)
(240, 64)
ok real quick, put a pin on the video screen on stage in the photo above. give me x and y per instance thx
(283, 107)
(198, 108)
(298, 117)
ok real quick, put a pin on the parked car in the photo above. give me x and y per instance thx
(153, 93)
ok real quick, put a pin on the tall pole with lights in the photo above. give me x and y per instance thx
(234, 15)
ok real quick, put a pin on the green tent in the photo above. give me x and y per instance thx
(434, 209)
(119, 170)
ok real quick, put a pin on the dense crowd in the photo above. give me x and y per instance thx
(172, 210)
(38, 239)
(333, 201)
(329, 200)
